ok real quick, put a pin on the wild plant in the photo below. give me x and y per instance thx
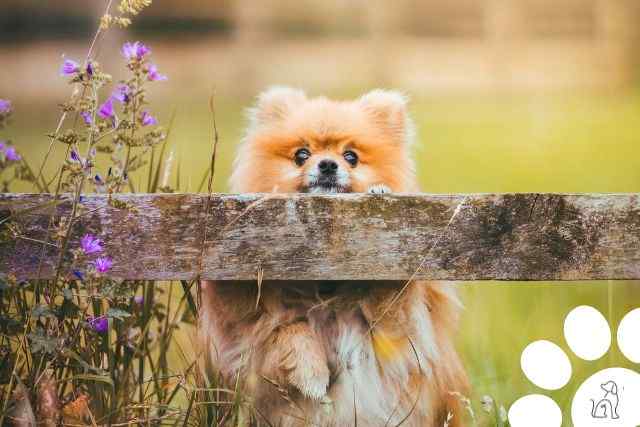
(87, 348)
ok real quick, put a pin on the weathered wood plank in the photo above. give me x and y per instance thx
(339, 237)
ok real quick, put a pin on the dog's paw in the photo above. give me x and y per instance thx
(378, 189)
(306, 366)
(311, 381)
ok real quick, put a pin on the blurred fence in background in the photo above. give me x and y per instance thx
(416, 45)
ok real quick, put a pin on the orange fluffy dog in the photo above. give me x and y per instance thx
(331, 353)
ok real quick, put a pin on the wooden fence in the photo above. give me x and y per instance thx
(333, 237)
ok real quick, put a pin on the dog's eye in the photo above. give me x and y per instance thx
(301, 156)
(350, 157)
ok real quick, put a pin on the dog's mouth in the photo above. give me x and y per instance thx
(325, 189)
(325, 185)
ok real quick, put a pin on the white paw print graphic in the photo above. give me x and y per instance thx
(610, 397)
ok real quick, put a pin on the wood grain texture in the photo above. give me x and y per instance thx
(336, 237)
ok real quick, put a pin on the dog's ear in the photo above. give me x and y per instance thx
(388, 110)
(610, 387)
(275, 103)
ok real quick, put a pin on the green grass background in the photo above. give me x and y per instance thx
(508, 143)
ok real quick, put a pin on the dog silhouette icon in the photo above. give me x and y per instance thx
(607, 407)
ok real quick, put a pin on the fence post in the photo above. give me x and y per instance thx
(614, 28)
(503, 32)
(251, 30)
(382, 22)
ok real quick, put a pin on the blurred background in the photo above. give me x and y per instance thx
(508, 96)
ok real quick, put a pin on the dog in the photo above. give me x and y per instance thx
(607, 407)
(332, 353)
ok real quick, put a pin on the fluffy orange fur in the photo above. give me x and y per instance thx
(333, 353)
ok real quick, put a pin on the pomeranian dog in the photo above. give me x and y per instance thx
(331, 353)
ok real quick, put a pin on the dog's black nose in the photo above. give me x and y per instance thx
(328, 167)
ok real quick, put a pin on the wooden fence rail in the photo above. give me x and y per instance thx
(334, 237)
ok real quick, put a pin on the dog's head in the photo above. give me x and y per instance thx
(317, 145)
(610, 387)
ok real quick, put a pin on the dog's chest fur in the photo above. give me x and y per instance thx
(383, 359)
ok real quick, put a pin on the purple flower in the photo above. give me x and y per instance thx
(154, 75)
(86, 116)
(69, 67)
(106, 110)
(90, 245)
(121, 93)
(11, 154)
(103, 264)
(128, 50)
(147, 119)
(5, 106)
(2, 145)
(138, 299)
(89, 68)
(99, 324)
(76, 158)
(141, 50)
(78, 274)
(135, 50)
